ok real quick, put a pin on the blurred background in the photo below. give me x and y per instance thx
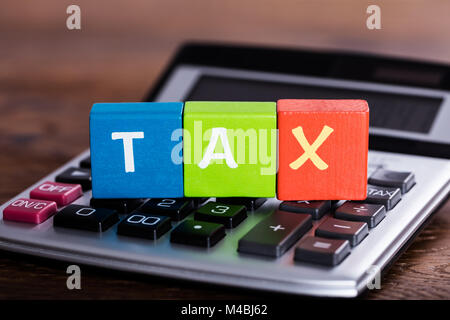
(50, 76)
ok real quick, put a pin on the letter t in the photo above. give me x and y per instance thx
(127, 138)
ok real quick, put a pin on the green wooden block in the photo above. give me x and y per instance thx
(230, 149)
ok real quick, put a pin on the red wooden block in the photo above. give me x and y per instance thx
(323, 149)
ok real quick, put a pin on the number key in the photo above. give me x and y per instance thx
(177, 209)
(144, 225)
(228, 215)
(85, 218)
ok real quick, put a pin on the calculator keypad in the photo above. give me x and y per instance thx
(272, 236)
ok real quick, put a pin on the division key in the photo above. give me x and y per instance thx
(274, 235)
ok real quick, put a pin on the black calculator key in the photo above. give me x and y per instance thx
(198, 233)
(387, 178)
(274, 235)
(353, 231)
(369, 213)
(177, 208)
(76, 175)
(198, 201)
(228, 215)
(121, 205)
(86, 163)
(315, 208)
(144, 225)
(386, 196)
(329, 252)
(85, 218)
(249, 203)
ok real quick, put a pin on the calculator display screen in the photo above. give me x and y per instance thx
(411, 113)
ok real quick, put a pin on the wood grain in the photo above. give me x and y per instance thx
(49, 78)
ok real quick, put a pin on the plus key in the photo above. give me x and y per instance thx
(274, 235)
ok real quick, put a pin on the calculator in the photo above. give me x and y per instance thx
(315, 248)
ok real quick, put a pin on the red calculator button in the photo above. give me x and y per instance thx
(29, 210)
(61, 193)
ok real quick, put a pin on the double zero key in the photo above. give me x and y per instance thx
(274, 235)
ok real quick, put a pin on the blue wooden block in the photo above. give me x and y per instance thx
(136, 150)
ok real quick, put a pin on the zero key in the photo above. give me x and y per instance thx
(274, 235)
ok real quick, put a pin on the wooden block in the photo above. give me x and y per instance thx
(133, 154)
(230, 149)
(323, 149)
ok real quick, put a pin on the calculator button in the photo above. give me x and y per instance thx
(352, 231)
(228, 215)
(121, 205)
(29, 210)
(329, 252)
(386, 196)
(144, 225)
(249, 203)
(371, 214)
(61, 193)
(197, 202)
(198, 233)
(274, 235)
(387, 178)
(315, 208)
(80, 176)
(177, 208)
(86, 163)
(85, 218)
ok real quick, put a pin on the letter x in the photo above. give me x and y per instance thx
(310, 150)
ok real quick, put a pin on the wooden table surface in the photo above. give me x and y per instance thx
(50, 76)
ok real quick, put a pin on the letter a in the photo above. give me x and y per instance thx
(127, 138)
(374, 20)
(74, 20)
(209, 154)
